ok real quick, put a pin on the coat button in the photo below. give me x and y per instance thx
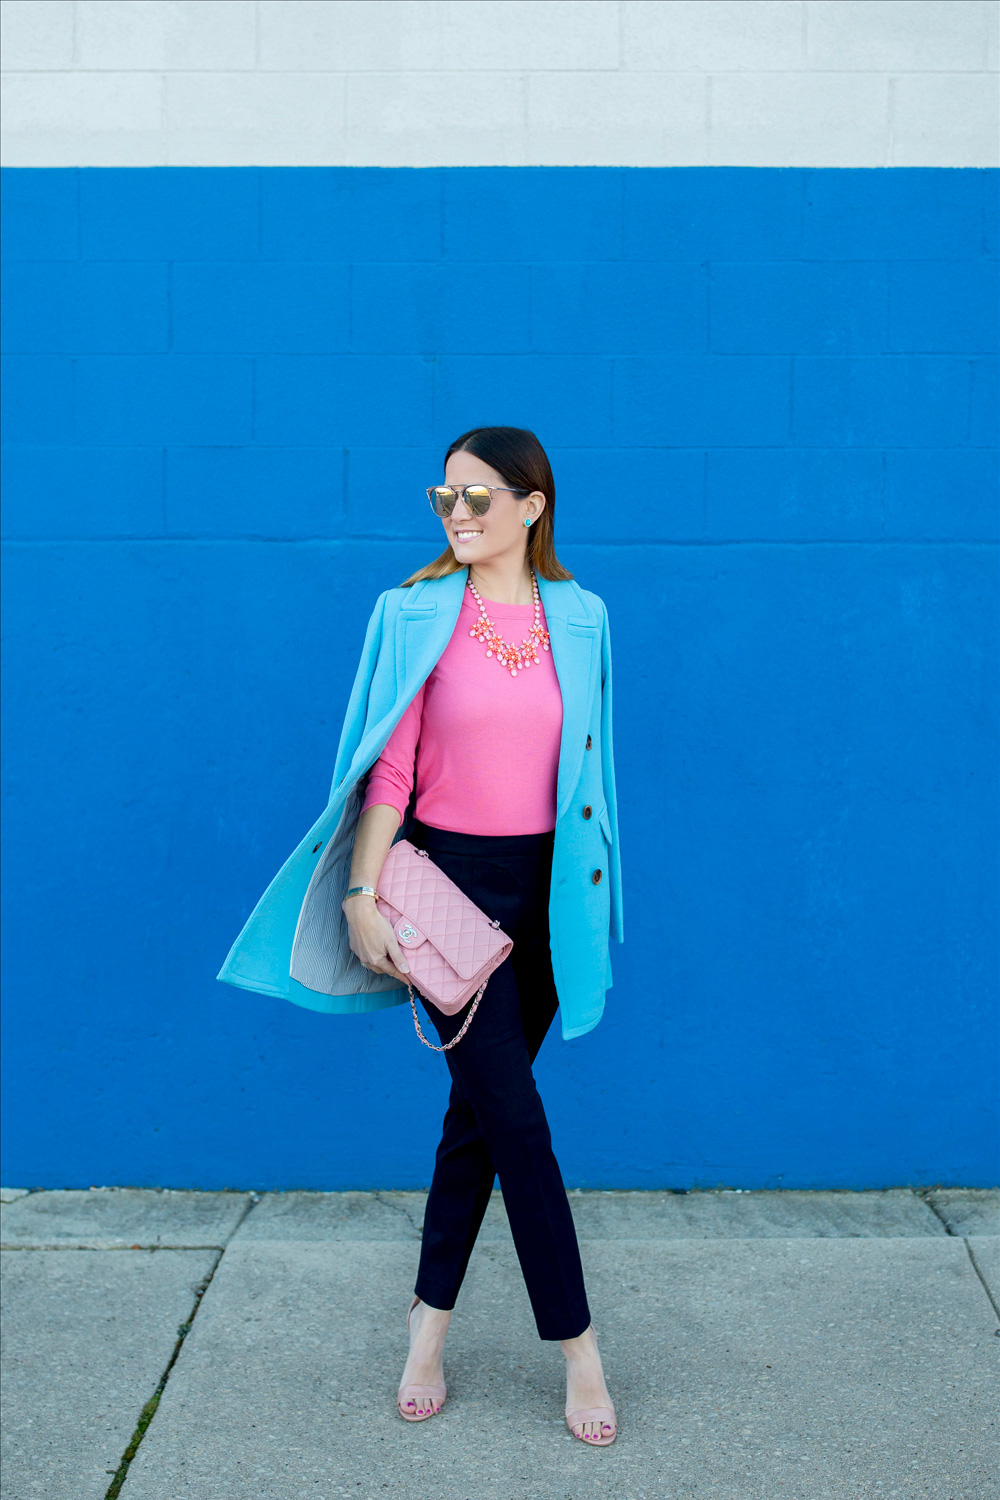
(588, 811)
(596, 877)
(589, 742)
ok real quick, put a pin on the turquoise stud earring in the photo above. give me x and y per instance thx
(527, 520)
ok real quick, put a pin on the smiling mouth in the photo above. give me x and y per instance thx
(466, 536)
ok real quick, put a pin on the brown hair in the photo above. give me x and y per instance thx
(518, 456)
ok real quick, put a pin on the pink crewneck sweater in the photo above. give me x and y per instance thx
(484, 744)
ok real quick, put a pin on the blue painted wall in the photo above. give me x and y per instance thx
(769, 398)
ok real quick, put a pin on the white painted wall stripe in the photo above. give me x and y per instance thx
(856, 83)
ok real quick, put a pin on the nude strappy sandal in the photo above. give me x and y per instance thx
(604, 1415)
(410, 1395)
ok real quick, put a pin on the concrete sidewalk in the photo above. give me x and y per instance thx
(809, 1346)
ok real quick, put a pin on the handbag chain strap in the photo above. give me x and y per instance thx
(465, 1024)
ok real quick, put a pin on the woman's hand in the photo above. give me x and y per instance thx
(372, 938)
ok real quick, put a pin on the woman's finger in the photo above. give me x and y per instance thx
(397, 958)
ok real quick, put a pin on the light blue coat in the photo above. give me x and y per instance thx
(295, 942)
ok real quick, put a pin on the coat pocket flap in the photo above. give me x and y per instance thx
(580, 625)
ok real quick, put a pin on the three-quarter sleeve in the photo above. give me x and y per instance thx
(391, 778)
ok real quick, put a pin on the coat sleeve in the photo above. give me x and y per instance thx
(357, 708)
(608, 768)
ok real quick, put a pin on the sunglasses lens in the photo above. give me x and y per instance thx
(443, 500)
(477, 498)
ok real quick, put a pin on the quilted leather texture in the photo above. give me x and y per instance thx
(450, 944)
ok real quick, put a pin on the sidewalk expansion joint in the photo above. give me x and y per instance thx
(105, 1248)
(149, 1410)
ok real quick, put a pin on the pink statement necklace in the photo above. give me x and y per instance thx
(513, 658)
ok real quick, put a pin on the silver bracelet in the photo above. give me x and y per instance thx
(361, 890)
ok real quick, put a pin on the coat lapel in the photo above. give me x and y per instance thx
(426, 622)
(575, 643)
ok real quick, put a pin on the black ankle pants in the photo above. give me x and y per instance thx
(495, 1124)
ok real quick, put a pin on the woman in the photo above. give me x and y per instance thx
(479, 728)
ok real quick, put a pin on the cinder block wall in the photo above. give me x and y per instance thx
(766, 83)
(240, 329)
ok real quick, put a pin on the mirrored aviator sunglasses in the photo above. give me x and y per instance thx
(477, 497)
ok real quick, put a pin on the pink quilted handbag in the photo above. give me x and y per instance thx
(451, 946)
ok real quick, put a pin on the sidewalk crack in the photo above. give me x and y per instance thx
(399, 1208)
(968, 1248)
(149, 1410)
(252, 1200)
(975, 1266)
(925, 1196)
